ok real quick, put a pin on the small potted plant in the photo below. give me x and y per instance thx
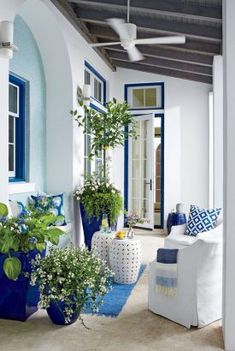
(108, 130)
(21, 239)
(70, 280)
(132, 219)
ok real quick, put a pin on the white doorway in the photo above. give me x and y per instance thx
(146, 170)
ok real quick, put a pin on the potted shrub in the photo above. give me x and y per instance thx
(70, 280)
(98, 197)
(21, 239)
(108, 130)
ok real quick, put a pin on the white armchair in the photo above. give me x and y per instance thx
(177, 239)
(198, 300)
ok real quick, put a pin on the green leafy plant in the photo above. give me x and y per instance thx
(98, 197)
(108, 129)
(24, 234)
(74, 276)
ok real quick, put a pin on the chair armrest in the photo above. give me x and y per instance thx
(213, 234)
(177, 229)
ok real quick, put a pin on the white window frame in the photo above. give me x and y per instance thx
(94, 77)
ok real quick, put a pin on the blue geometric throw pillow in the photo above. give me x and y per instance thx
(51, 203)
(201, 220)
(23, 211)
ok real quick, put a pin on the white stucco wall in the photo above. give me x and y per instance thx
(186, 137)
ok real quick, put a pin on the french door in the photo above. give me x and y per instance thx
(141, 170)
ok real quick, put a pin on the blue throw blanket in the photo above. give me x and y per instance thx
(166, 277)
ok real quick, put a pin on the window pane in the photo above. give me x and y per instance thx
(11, 129)
(11, 158)
(150, 97)
(13, 99)
(138, 98)
(97, 90)
(87, 77)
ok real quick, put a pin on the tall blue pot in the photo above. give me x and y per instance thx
(18, 299)
(90, 226)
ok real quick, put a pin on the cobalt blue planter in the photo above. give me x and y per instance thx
(175, 218)
(18, 299)
(90, 226)
(55, 312)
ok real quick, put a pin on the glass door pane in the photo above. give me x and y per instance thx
(141, 170)
(157, 172)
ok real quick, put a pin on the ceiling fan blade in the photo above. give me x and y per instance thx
(134, 54)
(97, 45)
(119, 26)
(162, 40)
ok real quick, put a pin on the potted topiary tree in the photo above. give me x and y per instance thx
(108, 130)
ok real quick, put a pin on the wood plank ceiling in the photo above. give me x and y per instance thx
(199, 20)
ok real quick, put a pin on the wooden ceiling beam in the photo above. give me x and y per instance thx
(168, 54)
(177, 8)
(164, 71)
(194, 45)
(160, 62)
(193, 29)
(67, 11)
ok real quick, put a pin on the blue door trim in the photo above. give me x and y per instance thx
(20, 130)
(126, 162)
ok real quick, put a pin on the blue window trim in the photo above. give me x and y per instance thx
(127, 86)
(98, 75)
(20, 130)
(97, 108)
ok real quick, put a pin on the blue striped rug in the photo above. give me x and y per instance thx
(115, 300)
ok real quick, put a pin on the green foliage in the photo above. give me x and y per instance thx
(100, 197)
(107, 128)
(3, 210)
(23, 234)
(73, 275)
(12, 267)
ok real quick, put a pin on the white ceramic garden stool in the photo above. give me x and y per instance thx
(125, 258)
(100, 245)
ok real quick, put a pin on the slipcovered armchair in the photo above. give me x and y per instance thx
(177, 239)
(198, 298)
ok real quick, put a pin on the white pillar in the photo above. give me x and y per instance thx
(4, 78)
(8, 12)
(229, 174)
(218, 131)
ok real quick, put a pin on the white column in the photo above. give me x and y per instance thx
(218, 130)
(229, 174)
(8, 12)
(4, 78)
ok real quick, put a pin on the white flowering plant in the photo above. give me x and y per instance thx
(74, 276)
(99, 197)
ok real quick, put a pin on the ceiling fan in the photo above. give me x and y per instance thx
(127, 33)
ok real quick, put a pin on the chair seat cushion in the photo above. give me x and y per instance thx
(179, 240)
